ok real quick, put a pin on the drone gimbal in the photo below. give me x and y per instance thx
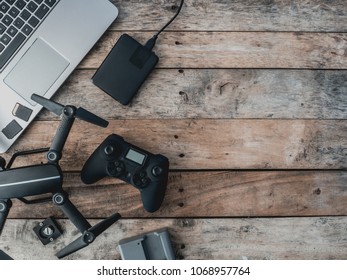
(47, 178)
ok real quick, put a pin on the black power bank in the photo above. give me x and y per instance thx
(125, 69)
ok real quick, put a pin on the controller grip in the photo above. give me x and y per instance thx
(93, 170)
(153, 196)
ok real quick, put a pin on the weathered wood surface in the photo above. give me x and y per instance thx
(239, 15)
(208, 144)
(218, 93)
(209, 194)
(236, 50)
(249, 103)
(279, 238)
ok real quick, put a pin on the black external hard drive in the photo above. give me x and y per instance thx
(125, 69)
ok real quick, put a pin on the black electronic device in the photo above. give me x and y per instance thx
(125, 69)
(128, 65)
(48, 230)
(4, 256)
(118, 158)
(154, 245)
(47, 178)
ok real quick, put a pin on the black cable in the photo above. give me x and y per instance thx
(151, 42)
(174, 17)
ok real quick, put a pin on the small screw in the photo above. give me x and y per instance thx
(48, 231)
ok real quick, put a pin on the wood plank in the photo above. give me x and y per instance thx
(217, 93)
(208, 194)
(207, 144)
(237, 50)
(248, 15)
(282, 238)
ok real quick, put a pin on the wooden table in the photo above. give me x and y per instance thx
(248, 102)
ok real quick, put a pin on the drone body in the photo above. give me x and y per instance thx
(47, 178)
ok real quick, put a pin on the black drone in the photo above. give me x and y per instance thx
(47, 178)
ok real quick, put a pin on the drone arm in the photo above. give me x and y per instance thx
(88, 236)
(55, 152)
(25, 153)
(5, 206)
(68, 114)
(70, 210)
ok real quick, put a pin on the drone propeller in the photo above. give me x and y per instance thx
(87, 116)
(50, 105)
(68, 115)
(80, 113)
(88, 236)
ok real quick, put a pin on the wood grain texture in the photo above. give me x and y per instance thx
(208, 194)
(237, 50)
(217, 94)
(281, 238)
(239, 15)
(207, 144)
(248, 102)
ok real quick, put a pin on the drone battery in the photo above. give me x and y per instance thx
(155, 245)
(125, 69)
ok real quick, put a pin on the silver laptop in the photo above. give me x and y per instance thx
(41, 43)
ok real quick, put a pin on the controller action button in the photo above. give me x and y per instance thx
(144, 181)
(157, 171)
(140, 180)
(115, 168)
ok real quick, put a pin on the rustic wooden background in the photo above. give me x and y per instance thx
(249, 103)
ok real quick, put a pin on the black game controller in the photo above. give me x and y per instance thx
(145, 171)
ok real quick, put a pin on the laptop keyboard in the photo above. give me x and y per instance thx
(18, 20)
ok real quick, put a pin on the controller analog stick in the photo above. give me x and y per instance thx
(109, 150)
(157, 171)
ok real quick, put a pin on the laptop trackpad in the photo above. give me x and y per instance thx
(36, 71)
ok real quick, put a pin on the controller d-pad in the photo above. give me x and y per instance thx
(115, 168)
(140, 179)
